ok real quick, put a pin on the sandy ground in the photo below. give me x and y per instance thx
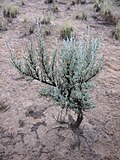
(28, 130)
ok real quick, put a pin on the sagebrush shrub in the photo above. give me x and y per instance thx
(46, 19)
(47, 32)
(73, 3)
(27, 28)
(67, 72)
(78, 16)
(22, 2)
(55, 8)
(3, 24)
(107, 12)
(81, 16)
(106, 8)
(81, 1)
(117, 31)
(4, 106)
(84, 16)
(10, 11)
(66, 32)
(97, 6)
(49, 1)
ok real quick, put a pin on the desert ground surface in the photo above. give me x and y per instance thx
(28, 130)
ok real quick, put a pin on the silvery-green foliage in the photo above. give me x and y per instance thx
(76, 66)
(67, 73)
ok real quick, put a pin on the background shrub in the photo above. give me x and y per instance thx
(46, 19)
(3, 24)
(10, 11)
(66, 32)
(97, 6)
(107, 12)
(55, 8)
(116, 33)
(49, 1)
(81, 16)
